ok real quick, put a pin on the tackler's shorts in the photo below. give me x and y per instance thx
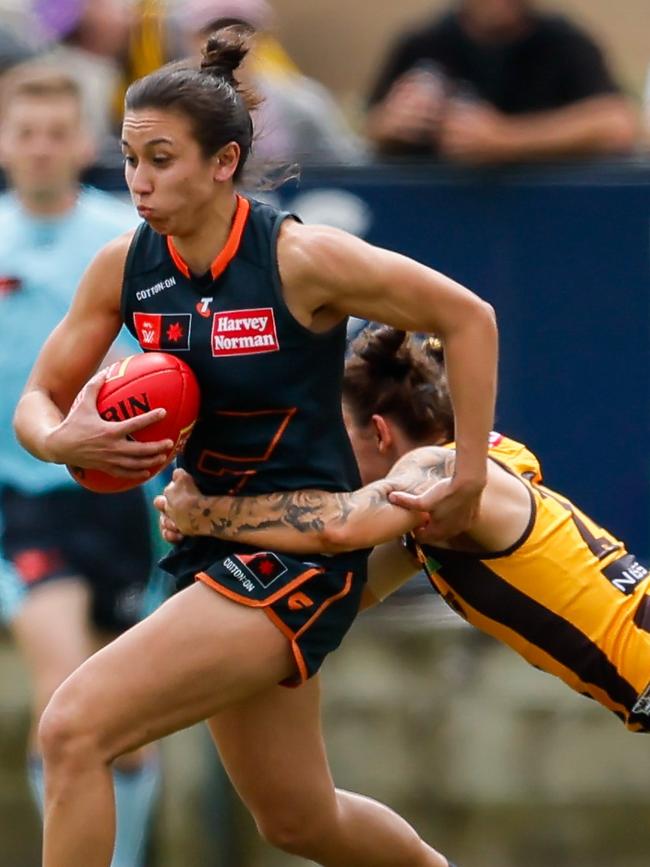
(313, 603)
(105, 541)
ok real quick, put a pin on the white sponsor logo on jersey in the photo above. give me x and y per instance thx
(244, 332)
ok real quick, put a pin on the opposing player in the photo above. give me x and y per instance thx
(64, 592)
(256, 304)
(533, 571)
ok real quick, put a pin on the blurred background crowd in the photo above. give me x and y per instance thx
(475, 81)
(506, 142)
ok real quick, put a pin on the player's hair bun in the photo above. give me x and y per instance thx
(393, 373)
(381, 353)
(225, 50)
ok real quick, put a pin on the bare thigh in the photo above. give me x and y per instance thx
(272, 747)
(195, 655)
(273, 750)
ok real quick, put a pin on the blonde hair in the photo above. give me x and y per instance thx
(38, 81)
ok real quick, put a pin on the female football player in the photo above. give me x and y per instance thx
(256, 303)
(533, 571)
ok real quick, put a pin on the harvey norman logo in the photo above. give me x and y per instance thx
(244, 332)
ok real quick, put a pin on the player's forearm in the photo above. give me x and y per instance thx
(601, 125)
(309, 521)
(35, 418)
(370, 519)
(471, 352)
(302, 521)
(286, 521)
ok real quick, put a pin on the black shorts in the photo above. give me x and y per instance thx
(313, 603)
(71, 532)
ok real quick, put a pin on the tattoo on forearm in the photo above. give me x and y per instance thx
(421, 468)
(302, 511)
(311, 511)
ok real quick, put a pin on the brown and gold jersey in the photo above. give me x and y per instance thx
(567, 596)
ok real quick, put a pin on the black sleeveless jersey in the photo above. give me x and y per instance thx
(270, 415)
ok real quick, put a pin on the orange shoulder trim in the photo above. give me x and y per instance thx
(229, 250)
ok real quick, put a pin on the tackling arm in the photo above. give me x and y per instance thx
(309, 521)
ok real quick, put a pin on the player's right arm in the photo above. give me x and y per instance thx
(306, 521)
(312, 521)
(46, 422)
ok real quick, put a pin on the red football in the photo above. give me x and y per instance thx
(135, 385)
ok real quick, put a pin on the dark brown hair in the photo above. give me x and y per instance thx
(209, 96)
(400, 376)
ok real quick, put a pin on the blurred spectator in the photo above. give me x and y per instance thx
(104, 45)
(497, 81)
(298, 119)
(73, 565)
(88, 39)
(147, 50)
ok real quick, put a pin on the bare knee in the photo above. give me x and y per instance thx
(295, 832)
(66, 734)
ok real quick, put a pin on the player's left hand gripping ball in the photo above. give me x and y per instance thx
(138, 384)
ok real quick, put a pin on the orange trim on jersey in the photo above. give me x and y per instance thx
(299, 659)
(182, 438)
(229, 250)
(326, 604)
(300, 662)
(176, 258)
(242, 476)
(295, 647)
(292, 637)
(281, 625)
(277, 436)
(258, 603)
(207, 455)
